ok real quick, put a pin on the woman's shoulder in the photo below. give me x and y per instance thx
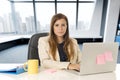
(45, 38)
(73, 40)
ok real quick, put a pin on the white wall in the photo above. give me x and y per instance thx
(96, 20)
(111, 21)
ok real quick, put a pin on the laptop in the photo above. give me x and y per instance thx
(98, 57)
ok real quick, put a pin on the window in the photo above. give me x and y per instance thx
(44, 12)
(20, 0)
(6, 23)
(24, 18)
(31, 16)
(69, 9)
(84, 15)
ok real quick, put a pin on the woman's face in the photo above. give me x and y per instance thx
(60, 27)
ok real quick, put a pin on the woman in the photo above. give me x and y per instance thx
(58, 50)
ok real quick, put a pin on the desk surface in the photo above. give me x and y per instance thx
(62, 75)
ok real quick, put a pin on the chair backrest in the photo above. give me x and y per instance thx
(33, 46)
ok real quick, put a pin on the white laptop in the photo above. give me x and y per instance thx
(98, 57)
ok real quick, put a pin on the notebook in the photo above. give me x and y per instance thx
(98, 58)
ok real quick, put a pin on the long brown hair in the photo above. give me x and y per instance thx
(53, 39)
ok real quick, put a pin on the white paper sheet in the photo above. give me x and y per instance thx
(9, 66)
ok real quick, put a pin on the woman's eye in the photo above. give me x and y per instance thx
(63, 24)
(56, 25)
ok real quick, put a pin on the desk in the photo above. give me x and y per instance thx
(62, 75)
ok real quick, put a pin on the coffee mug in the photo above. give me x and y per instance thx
(31, 66)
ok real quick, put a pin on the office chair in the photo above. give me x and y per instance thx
(33, 46)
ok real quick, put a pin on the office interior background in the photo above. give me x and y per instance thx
(89, 21)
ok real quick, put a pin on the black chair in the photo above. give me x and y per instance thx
(33, 46)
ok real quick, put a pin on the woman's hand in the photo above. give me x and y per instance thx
(74, 67)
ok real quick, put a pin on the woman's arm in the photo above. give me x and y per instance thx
(78, 54)
(77, 51)
(74, 67)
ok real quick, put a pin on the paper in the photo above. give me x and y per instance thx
(8, 66)
(11, 68)
(104, 57)
(100, 59)
(50, 70)
(108, 56)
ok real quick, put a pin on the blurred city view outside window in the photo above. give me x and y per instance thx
(6, 22)
(69, 9)
(25, 18)
(85, 15)
(18, 16)
(44, 13)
